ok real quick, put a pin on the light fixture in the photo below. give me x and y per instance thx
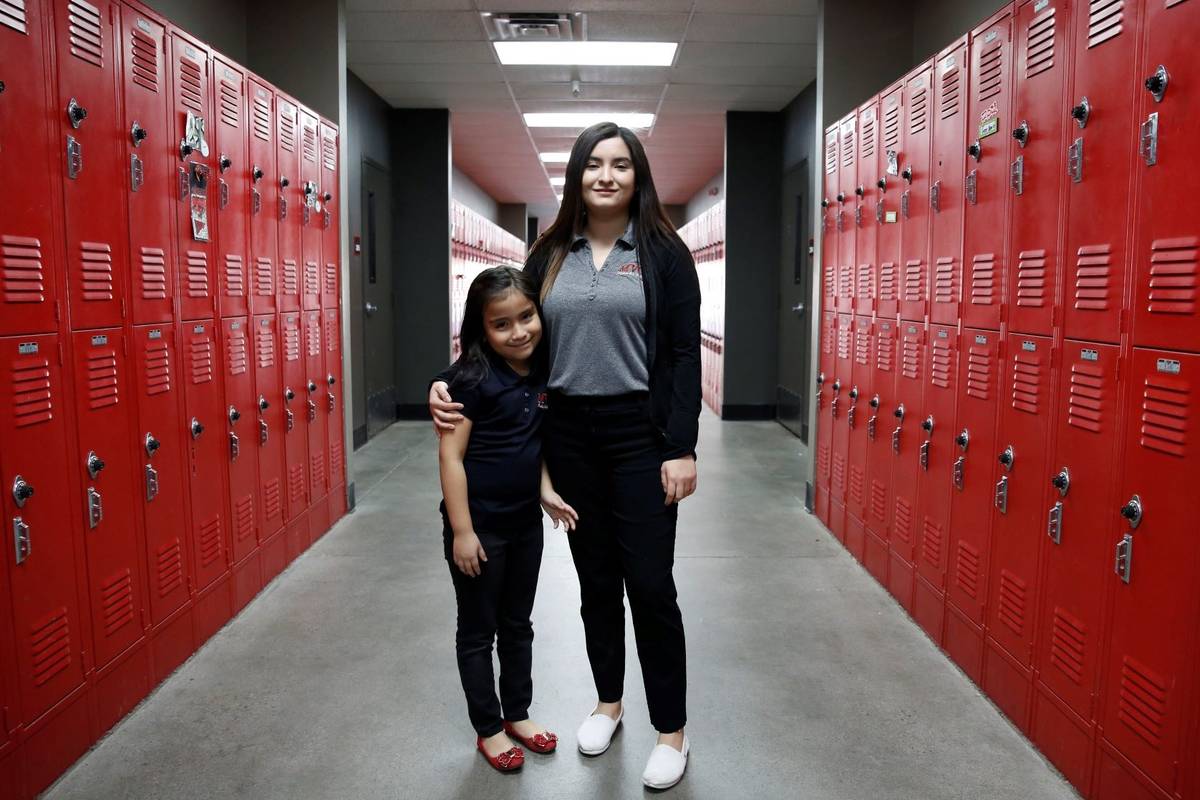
(599, 54)
(554, 158)
(582, 120)
(558, 180)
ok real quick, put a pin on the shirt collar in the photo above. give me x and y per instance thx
(628, 238)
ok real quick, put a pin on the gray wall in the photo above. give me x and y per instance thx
(514, 219)
(218, 23)
(466, 191)
(939, 22)
(421, 251)
(864, 45)
(704, 199)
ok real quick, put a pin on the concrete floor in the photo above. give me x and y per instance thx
(339, 681)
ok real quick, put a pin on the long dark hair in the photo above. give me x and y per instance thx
(650, 220)
(472, 365)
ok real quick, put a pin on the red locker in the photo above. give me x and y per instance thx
(289, 201)
(945, 193)
(1036, 169)
(104, 460)
(936, 458)
(906, 446)
(311, 218)
(825, 378)
(1076, 511)
(242, 435)
(40, 514)
(8, 666)
(271, 432)
(914, 199)
(331, 256)
(1167, 250)
(163, 494)
(867, 207)
(844, 219)
(264, 198)
(857, 409)
(891, 188)
(1100, 160)
(232, 187)
(202, 424)
(95, 176)
(334, 407)
(295, 396)
(149, 154)
(839, 401)
(829, 227)
(1026, 409)
(29, 255)
(879, 450)
(195, 168)
(985, 186)
(1156, 575)
(971, 498)
(316, 402)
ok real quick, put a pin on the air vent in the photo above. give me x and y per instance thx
(530, 26)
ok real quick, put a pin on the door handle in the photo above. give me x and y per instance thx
(798, 308)
(370, 308)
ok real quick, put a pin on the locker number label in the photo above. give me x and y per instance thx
(981, 340)
(992, 36)
(889, 216)
(1169, 366)
(145, 26)
(1029, 346)
(989, 127)
(1039, 5)
(198, 329)
(98, 340)
(27, 348)
(1090, 355)
(949, 62)
(156, 334)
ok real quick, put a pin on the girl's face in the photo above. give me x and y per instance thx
(608, 177)
(512, 326)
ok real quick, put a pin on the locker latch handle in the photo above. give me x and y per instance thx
(1054, 523)
(151, 483)
(1148, 144)
(1075, 161)
(1132, 511)
(925, 455)
(1062, 482)
(1002, 494)
(935, 196)
(21, 540)
(291, 419)
(1156, 84)
(1081, 112)
(959, 466)
(833, 407)
(871, 428)
(896, 440)
(95, 508)
(1124, 563)
(333, 407)
(235, 448)
(262, 432)
(22, 491)
(312, 411)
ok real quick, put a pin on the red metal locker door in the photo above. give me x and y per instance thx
(316, 398)
(985, 186)
(29, 256)
(1099, 167)
(295, 396)
(1036, 170)
(1157, 566)
(945, 194)
(843, 369)
(271, 428)
(1077, 509)
(891, 187)
(906, 445)
(9, 690)
(39, 512)
(93, 192)
(242, 435)
(162, 492)
(914, 201)
(334, 401)
(195, 173)
(825, 378)
(202, 425)
(1166, 310)
(857, 407)
(232, 187)
(331, 256)
(866, 225)
(846, 203)
(879, 449)
(829, 223)
(289, 199)
(264, 198)
(311, 218)
(104, 459)
(149, 155)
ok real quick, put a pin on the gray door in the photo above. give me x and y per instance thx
(795, 289)
(379, 333)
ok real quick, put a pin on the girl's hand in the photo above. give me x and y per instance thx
(678, 478)
(468, 553)
(442, 408)
(559, 511)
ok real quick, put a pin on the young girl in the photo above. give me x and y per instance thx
(492, 479)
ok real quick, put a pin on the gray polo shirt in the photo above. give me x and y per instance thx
(597, 322)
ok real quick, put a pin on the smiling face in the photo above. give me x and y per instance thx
(512, 326)
(608, 177)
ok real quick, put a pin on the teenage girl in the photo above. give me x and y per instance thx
(492, 479)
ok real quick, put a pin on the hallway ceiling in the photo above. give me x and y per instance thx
(734, 55)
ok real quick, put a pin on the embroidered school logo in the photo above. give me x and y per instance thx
(631, 268)
(541, 401)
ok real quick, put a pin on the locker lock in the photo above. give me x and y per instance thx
(820, 379)
(76, 113)
(1062, 482)
(882, 183)
(860, 190)
(837, 386)
(138, 134)
(327, 197)
(197, 428)
(874, 402)
(185, 149)
(263, 405)
(899, 412)
(854, 393)
(256, 173)
(225, 163)
(309, 188)
(1021, 133)
(1156, 84)
(927, 425)
(94, 465)
(1, 87)
(962, 440)
(234, 415)
(331, 380)
(907, 174)
(975, 150)
(824, 202)
(1006, 458)
(1132, 511)
(841, 197)
(152, 445)
(312, 386)
(22, 491)
(1081, 112)
(288, 394)
(284, 182)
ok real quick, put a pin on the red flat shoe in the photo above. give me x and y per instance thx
(510, 760)
(539, 743)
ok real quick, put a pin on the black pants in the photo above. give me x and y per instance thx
(496, 606)
(604, 456)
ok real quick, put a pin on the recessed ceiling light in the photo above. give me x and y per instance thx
(558, 180)
(554, 158)
(600, 54)
(584, 120)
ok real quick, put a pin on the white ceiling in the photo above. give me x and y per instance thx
(734, 55)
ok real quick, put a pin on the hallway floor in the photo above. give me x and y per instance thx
(806, 681)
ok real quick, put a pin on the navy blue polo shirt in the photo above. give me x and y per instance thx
(503, 461)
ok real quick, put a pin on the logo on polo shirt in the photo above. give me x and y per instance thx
(631, 268)
(541, 401)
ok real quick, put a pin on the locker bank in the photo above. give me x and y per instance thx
(944, 541)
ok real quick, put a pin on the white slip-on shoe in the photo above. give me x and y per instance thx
(666, 766)
(596, 732)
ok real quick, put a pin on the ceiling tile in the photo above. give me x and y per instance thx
(639, 27)
(544, 6)
(360, 52)
(752, 28)
(722, 54)
(429, 73)
(804, 7)
(589, 92)
(413, 26)
(409, 5)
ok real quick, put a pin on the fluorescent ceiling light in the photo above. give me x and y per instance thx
(595, 54)
(555, 158)
(584, 120)
(558, 180)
